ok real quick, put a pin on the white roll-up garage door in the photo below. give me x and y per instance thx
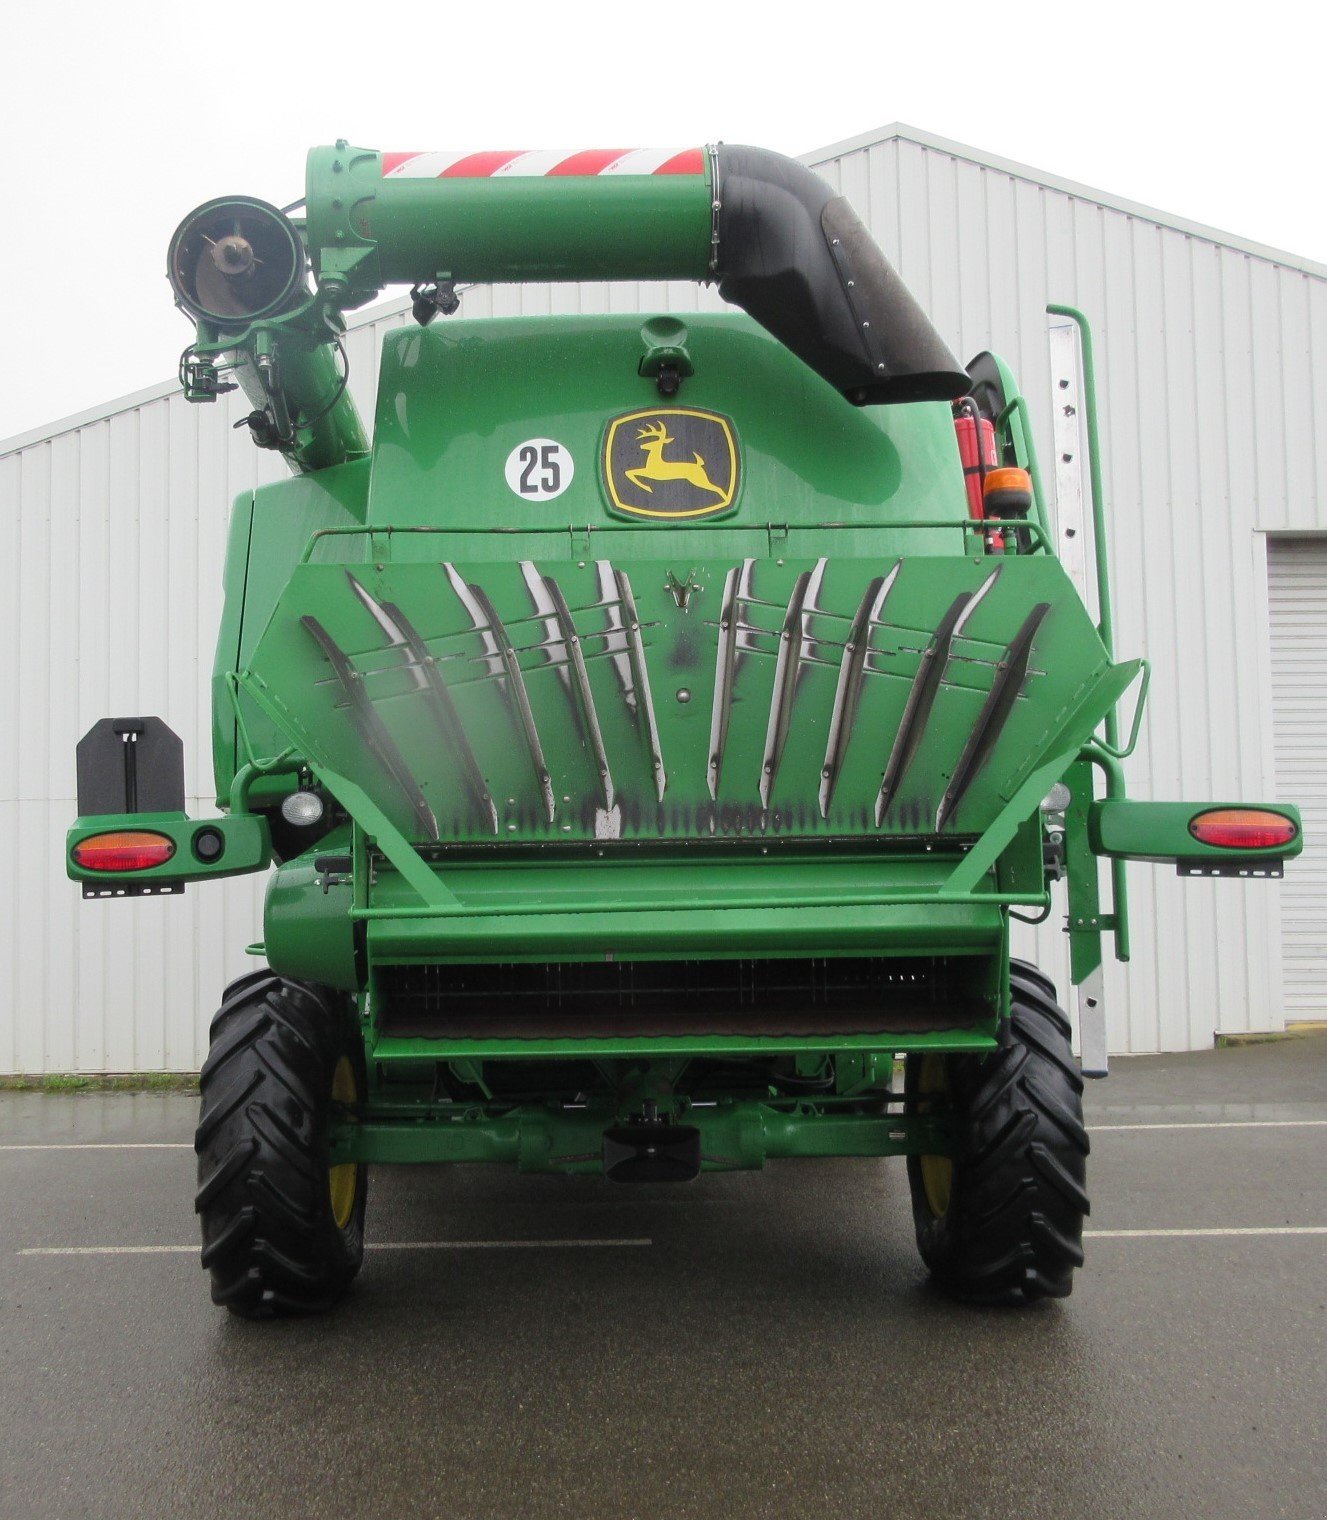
(1297, 588)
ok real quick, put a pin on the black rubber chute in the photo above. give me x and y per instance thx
(796, 258)
(987, 385)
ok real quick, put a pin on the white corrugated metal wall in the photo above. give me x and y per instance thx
(114, 527)
(1207, 353)
(1297, 577)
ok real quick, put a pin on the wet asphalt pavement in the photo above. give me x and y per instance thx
(773, 1348)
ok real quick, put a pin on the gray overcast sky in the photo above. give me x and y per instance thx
(121, 117)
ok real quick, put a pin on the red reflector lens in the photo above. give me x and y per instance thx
(1243, 829)
(125, 850)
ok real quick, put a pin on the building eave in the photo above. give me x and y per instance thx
(898, 131)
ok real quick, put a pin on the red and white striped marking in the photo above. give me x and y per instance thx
(543, 163)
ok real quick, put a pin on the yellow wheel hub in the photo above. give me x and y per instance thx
(343, 1180)
(937, 1171)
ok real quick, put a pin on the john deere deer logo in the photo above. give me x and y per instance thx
(656, 467)
(671, 463)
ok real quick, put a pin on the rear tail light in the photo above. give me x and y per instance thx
(1243, 829)
(124, 850)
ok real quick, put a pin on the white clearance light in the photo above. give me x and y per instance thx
(302, 809)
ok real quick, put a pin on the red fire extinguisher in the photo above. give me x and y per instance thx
(970, 425)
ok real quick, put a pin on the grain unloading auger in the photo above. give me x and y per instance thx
(655, 726)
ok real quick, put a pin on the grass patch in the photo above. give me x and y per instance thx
(122, 1082)
(1298, 1031)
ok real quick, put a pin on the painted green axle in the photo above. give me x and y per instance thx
(733, 1136)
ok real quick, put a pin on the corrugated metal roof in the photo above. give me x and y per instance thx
(899, 130)
(165, 388)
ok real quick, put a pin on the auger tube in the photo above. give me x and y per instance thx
(377, 219)
(772, 234)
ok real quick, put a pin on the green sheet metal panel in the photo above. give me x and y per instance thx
(269, 530)
(565, 718)
(455, 399)
(694, 904)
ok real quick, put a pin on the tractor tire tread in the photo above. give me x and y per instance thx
(1012, 1233)
(269, 1239)
(1033, 976)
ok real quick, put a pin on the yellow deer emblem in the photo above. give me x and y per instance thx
(654, 437)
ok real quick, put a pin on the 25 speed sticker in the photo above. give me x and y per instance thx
(540, 469)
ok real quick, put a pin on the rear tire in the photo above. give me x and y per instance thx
(1002, 1222)
(283, 1230)
(1033, 977)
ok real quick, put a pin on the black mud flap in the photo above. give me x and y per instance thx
(130, 765)
(652, 1152)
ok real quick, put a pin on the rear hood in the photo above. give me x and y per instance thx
(631, 698)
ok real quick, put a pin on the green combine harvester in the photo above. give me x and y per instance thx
(655, 725)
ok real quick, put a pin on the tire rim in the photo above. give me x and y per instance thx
(937, 1171)
(343, 1180)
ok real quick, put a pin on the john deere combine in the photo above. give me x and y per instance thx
(655, 725)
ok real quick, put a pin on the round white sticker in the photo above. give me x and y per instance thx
(539, 469)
